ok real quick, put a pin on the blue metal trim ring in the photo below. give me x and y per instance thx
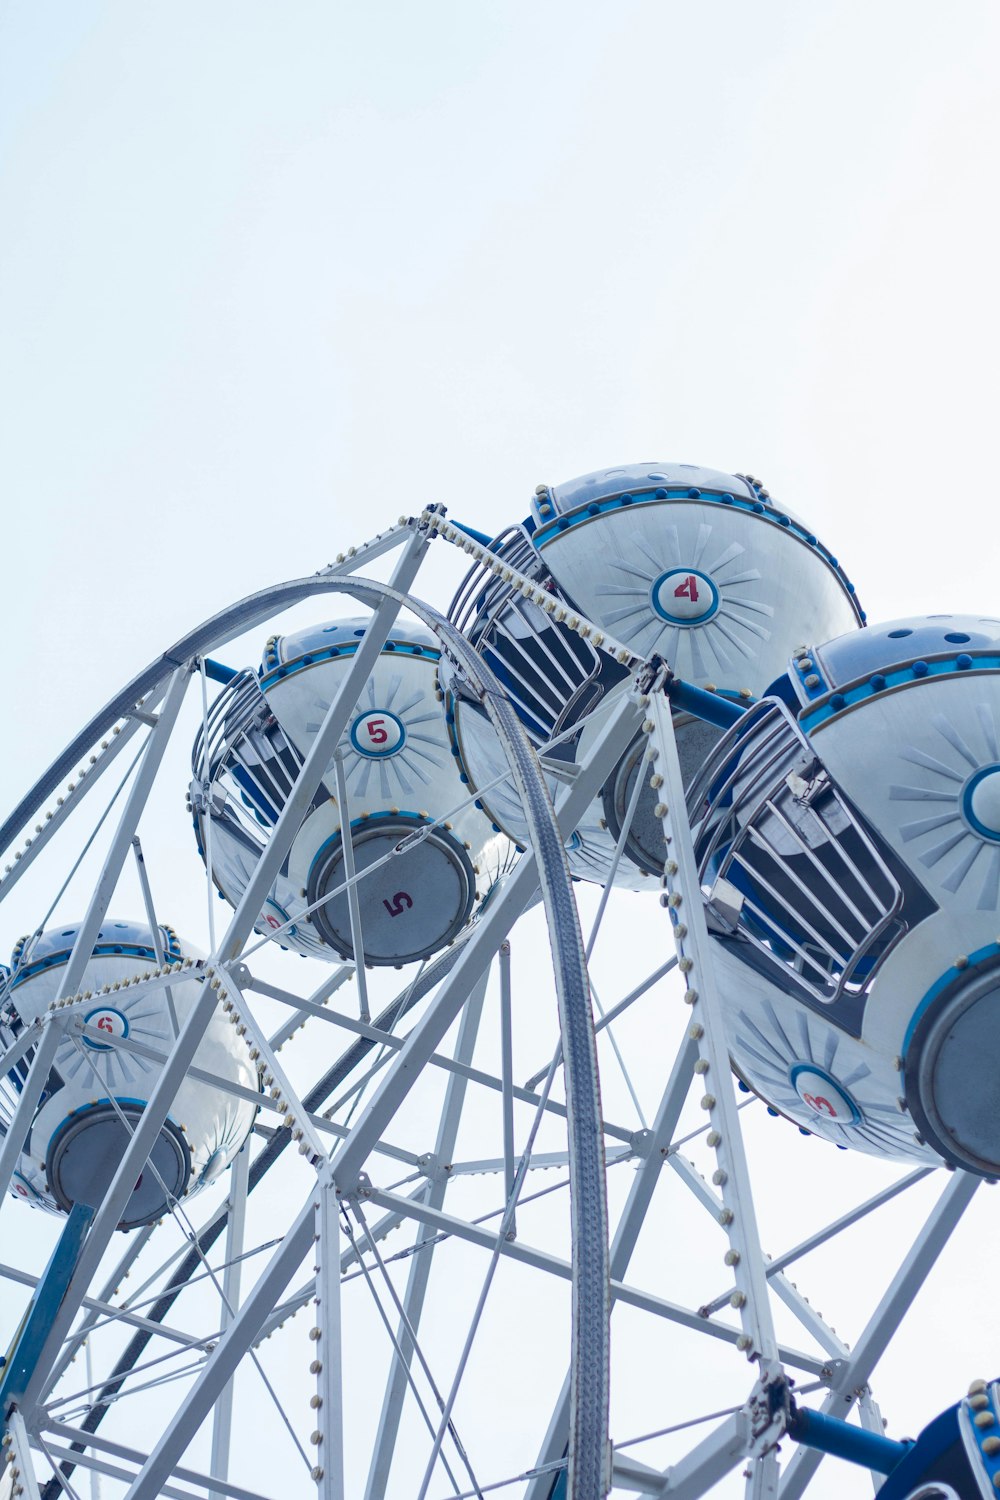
(380, 713)
(949, 977)
(992, 834)
(885, 682)
(102, 950)
(686, 622)
(102, 1010)
(838, 1088)
(392, 648)
(978, 1433)
(552, 529)
(378, 820)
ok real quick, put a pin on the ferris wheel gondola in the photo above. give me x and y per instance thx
(383, 1103)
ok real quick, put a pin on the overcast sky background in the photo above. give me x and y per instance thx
(272, 274)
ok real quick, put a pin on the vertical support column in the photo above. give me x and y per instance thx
(507, 1081)
(95, 1478)
(871, 1419)
(682, 897)
(19, 1457)
(328, 1436)
(353, 904)
(762, 1477)
(231, 1277)
(420, 1265)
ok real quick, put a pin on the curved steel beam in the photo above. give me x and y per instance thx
(589, 1385)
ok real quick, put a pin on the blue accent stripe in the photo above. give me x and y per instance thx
(981, 1435)
(947, 978)
(391, 648)
(553, 529)
(102, 950)
(880, 683)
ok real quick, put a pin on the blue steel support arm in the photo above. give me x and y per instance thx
(814, 1429)
(714, 708)
(49, 1293)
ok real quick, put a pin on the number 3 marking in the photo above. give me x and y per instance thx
(688, 589)
(401, 901)
(819, 1104)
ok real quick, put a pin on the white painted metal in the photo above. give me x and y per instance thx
(763, 585)
(420, 1267)
(375, 1143)
(710, 1030)
(222, 1427)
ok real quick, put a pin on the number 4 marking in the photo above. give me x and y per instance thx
(688, 589)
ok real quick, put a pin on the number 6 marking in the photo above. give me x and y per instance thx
(401, 901)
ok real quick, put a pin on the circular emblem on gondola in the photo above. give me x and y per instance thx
(108, 1020)
(683, 596)
(823, 1096)
(980, 802)
(378, 734)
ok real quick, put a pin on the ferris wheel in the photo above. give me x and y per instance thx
(417, 1159)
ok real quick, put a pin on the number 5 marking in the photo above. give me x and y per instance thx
(401, 901)
(377, 732)
(688, 589)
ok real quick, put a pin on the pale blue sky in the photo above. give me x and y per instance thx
(271, 274)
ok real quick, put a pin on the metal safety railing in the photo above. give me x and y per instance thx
(552, 676)
(786, 862)
(241, 761)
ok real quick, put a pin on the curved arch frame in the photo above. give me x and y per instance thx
(588, 1461)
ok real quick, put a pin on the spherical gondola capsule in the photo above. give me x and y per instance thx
(684, 563)
(848, 834)
(416, 840)
(96, 1092)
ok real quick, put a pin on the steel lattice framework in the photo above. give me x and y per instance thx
(357, 1165)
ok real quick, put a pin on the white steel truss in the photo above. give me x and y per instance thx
(374, 1203)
